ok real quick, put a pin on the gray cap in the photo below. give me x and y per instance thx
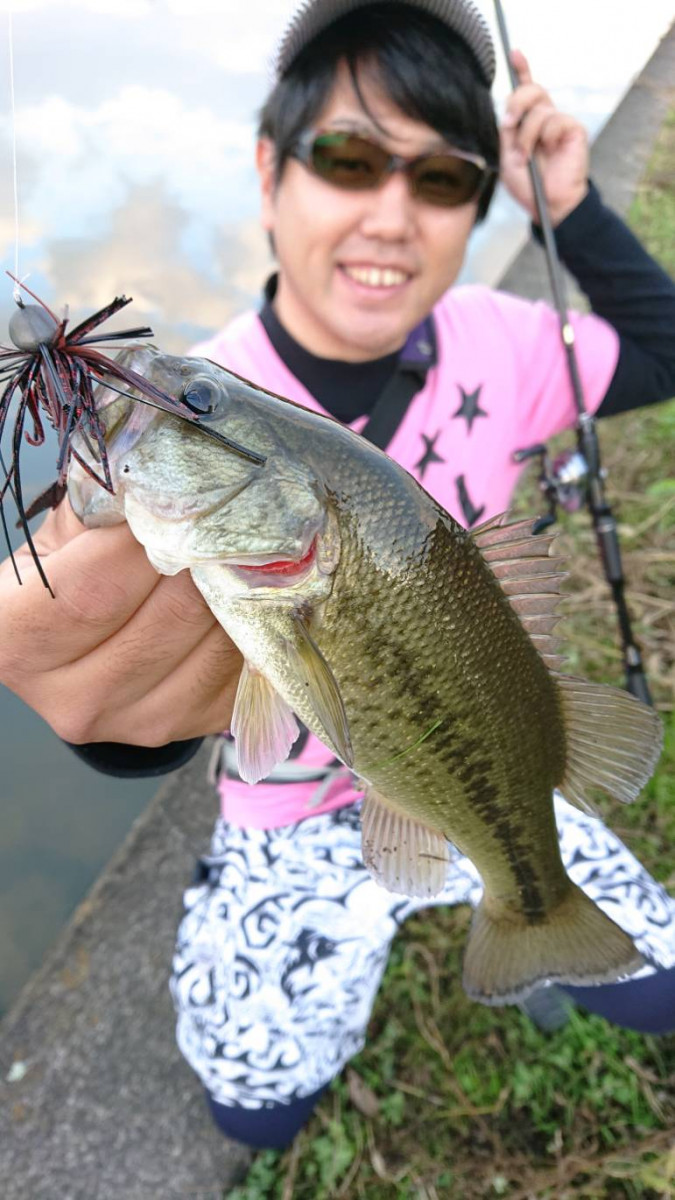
(460, 16)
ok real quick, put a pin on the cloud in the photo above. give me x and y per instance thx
(141, 257)
(213, 28)
(85, 158)
(122, 8)
(31, 229)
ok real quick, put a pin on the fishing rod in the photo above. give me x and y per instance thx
(577, 477)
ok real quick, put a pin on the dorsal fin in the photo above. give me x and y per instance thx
(528, 575)
(613, 741)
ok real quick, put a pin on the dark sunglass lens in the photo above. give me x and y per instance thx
(348, 161)
(445, 180)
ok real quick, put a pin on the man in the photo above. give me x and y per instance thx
(377, 155)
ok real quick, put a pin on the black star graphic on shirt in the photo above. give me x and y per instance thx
(470, 408)
(471, 514)
(430, 455)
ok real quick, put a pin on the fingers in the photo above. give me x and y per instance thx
(162, 634)
(542, 127)
(191, 700)
(522, 101)
(531, 120)
(100, 578)
(121, 653)
(59, 526)
(195, 700)
(521, 66)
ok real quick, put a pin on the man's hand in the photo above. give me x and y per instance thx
(122, 654)
(533, 125)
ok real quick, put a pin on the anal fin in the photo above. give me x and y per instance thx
(400, 853)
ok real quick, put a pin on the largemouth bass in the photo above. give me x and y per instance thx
(420, 653)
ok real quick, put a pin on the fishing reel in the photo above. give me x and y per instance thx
(564, 481)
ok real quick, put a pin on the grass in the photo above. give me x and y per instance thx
(452, 1100)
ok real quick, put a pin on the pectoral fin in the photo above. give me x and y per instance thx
(400, 853)
(308, 664)
(263, 726)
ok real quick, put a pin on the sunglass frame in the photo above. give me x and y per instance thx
(303, 151)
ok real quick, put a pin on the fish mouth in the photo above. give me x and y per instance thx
(269, 568)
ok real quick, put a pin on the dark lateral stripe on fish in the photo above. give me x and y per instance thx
(524, 873)
(463, 760)
(474, 773)
(466, 760)
(412, 681)
(484, 796)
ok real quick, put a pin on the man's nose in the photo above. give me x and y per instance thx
(390, 209)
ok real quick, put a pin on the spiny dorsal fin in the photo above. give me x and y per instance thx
(528, 575)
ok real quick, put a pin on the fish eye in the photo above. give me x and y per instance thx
(201, 396)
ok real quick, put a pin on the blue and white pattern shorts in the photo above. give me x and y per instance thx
(280, 953)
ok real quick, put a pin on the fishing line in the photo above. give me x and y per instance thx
(15, 174)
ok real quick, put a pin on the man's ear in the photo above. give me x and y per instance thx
(266, 167)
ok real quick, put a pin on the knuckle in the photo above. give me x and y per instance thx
(73, 726)
(159, 735)
(74, 709)
(190, 611)
(162, 724)
(91, 600)
(220, 666)
(12, 668)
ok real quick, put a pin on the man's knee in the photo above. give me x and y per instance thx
(271, 1127)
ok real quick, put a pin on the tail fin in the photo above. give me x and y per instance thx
(506, 957)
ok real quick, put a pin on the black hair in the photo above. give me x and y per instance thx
(428, 72)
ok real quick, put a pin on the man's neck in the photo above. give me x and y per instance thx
(346, 390)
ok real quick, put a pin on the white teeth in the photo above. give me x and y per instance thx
(376, 276)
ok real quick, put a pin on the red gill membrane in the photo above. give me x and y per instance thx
(283, 566)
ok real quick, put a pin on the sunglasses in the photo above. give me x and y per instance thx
(356, 163)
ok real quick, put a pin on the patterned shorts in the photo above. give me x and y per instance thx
(281, 951)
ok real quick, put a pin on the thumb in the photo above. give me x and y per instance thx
(521, 66)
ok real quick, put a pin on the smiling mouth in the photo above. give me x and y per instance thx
(376, 277)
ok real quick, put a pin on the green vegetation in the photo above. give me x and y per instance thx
(452, 1100)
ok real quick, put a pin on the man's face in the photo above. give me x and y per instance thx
(334, 246)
